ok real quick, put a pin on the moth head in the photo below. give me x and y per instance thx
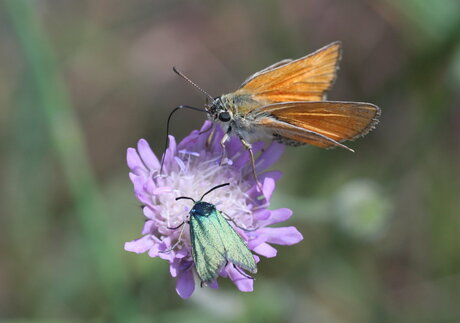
(202, 209)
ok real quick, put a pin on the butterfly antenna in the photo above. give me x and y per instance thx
(193, 83)
(214, 188)
(167, 128)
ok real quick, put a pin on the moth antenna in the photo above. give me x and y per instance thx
(214, 188)
(167, 128)
(193, 83)
(185, 198)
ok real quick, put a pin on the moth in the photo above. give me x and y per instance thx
(286, 102)
(214, 242)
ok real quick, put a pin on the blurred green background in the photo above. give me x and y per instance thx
(80, 81)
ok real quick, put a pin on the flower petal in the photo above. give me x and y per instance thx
(140, 245)
(181, 164)
(213, 284)
(147, 155)
(185, 284)
(149, 227)
(134, 162)
(281, 236)
(169, 255)
(188, 141)
(268, 187)
(257, 240)
(264, 249)
(154, 251)
(151, 211)
(254, 193)
(269, 156)
(169, 154)
(261, 215)
(233, 146)
(275, 174)
(242, 158)
(243, 283)
(277, 216)
(149, 186)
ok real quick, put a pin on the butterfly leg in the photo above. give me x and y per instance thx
(222, 144)
(248, 146)
(211, 135)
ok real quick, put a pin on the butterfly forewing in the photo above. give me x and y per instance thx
(304, 79)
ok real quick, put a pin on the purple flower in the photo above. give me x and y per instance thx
(190, 169)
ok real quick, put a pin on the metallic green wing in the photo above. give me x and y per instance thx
(207, 248)
(236, 250)
(214, 242)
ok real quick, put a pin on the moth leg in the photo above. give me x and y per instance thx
(242, 272)
(178, 239)
(248, 146)
(228, 218)
(222, 144)
(175, 228)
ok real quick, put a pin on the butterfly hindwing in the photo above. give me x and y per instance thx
(322, 124)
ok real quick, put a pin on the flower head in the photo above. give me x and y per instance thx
(191, 168)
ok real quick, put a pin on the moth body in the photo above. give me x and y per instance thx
(215, 243)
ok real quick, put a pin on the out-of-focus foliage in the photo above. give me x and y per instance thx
(81, 81)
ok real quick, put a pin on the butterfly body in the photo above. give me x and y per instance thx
(233, 113)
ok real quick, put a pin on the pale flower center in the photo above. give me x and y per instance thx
(195, 177)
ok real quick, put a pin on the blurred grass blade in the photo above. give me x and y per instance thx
(68, 142)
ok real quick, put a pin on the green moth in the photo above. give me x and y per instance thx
(214, 242)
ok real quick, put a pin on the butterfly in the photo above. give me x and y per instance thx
(214, 242)
(286, 102)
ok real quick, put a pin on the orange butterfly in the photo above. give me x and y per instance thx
(286, 102)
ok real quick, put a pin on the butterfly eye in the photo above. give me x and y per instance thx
(224, 116)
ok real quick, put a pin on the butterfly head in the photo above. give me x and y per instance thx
(218, 111)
